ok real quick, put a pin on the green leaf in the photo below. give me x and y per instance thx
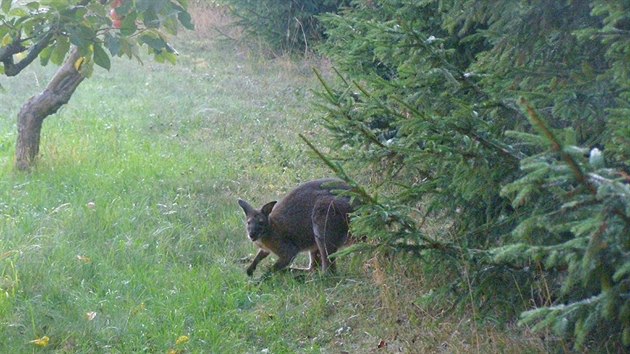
(124, 9)
(101, 58)
(81, 36)
(154, 41)
(57, 4)
(186, 20)
(114, 44)
(6, 6)
(6, 40)
(18, 12)
(33, 6)
(151, 19)
(60, 50)
(166, 56)
(155, 5)
(129, 24)
(44, 56)
(158, 5)
(143, 5)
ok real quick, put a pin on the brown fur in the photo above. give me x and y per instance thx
(311, 218)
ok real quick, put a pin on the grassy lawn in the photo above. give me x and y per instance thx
(127, 235)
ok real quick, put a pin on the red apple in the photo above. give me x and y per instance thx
(116, 20)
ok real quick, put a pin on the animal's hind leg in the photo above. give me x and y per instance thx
(330, 227)
(315, 260)
(326, 249)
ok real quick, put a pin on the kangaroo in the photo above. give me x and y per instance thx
(310, 218)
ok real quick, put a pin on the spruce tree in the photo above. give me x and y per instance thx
(509, 121)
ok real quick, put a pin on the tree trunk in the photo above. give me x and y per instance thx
(33, 113)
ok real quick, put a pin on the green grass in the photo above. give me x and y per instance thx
(131, 214)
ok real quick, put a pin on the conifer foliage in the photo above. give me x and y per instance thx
(510, 122)
(286, 25)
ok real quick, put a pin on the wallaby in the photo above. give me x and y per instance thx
(310, 218)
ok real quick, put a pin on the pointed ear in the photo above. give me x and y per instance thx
(248, 209)
(266, 209)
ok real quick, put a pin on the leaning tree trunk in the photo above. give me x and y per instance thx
(33, 113)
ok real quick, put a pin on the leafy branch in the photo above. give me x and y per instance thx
(556, 146)
(10, 67)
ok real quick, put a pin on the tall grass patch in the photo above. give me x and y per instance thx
(126, 236)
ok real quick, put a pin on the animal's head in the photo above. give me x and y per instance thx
(257, 220)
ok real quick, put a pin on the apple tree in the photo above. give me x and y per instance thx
(77, 35)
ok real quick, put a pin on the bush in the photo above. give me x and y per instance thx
(510, 123)
(287, 26)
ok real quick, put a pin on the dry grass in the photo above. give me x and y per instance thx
(406, 325)
(212, 21)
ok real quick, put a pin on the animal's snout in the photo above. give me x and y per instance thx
(255, 229)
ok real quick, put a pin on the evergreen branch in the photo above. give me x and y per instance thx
(334, 167)
(436, 246)
(366, 132)
(562, 307)
(341, 76)
(461, 75)
(493, 145)
(372, 138)
(335, 101)
(556, 146)
(408, 227)
(327, 87)
(338, 170)
(619, 211)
